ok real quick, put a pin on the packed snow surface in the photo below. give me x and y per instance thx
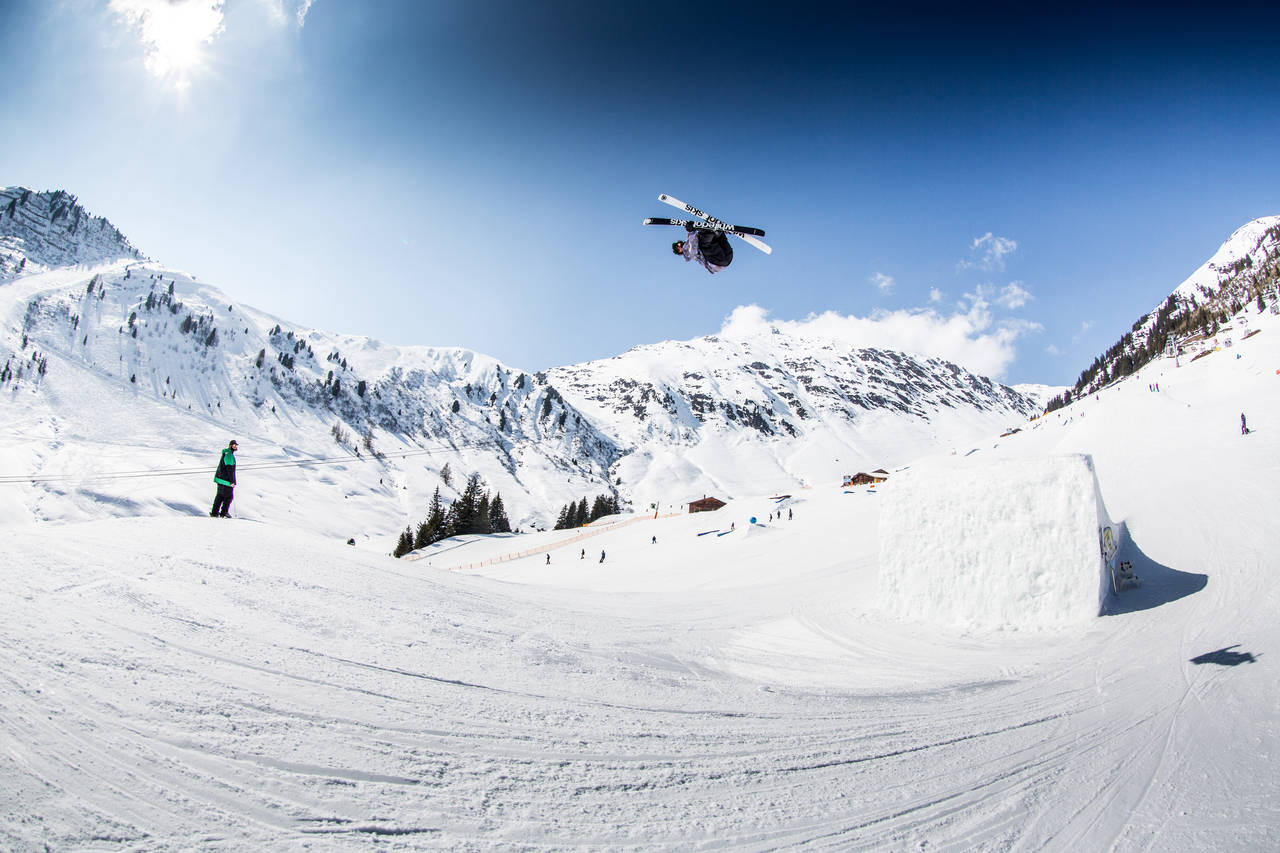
(1008, 544)
(647, 683)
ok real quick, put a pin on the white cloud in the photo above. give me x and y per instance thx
(935, 295)
(173, 32)
(969, 337)
(883, 282)
(989, 252)
(1014, 295)
(282, 12)
(745, 321)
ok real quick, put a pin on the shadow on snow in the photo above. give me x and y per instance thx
(1160, 584)
(1226, 657)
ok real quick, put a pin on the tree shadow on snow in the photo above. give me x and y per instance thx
(1160, 584)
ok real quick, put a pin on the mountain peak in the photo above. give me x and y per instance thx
(52, 229)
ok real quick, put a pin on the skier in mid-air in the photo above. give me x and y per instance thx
(707, 240)
(708, 247)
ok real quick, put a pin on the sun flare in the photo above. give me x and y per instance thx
(174, 32)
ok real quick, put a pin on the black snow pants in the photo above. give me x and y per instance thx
(222, 503)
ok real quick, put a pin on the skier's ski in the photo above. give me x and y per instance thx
(731, 229)
(688, 208)
(716, 224)
(689, 223)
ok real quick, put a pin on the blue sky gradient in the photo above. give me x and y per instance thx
(475, 174)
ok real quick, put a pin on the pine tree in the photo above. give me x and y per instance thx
(405, 545)
(422, 538)
(435, 519)
(462, 515)
(498, 521)
(480, 522)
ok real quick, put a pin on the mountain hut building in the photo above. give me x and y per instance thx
(705, 505)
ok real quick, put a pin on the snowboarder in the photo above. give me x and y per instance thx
(707, 247)
(225, 477)
(602, 556)
(1244, 429)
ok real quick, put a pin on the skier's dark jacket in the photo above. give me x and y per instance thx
(715, 247)
(226, 473)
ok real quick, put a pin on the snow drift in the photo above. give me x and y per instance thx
(1020, 544)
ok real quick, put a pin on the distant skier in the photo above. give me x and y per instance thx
(707, 247)
(225, 477)
(602, 556)
(1244, 428)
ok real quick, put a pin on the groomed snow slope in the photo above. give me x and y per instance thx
(189, 683)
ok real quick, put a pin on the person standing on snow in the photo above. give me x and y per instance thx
(225, 477)
(707, 247)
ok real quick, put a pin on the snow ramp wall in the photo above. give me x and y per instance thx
(1021, 544)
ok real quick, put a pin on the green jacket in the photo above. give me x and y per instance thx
(226, 474)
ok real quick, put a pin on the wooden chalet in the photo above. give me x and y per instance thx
(863, 479)
(705, 505)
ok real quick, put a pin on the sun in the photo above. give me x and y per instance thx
(174, 32)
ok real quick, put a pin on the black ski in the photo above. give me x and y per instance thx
(706, 226)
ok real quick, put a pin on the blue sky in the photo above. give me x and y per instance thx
(1005, 186)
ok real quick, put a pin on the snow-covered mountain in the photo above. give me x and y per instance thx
(89, 324)
(133, 355)
(1246, 255)
(51, 229)
(1245, 270)
(774, 410)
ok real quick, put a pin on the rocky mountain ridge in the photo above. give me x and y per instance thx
(40, 230)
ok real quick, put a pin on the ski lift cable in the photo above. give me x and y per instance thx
(9, 479)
